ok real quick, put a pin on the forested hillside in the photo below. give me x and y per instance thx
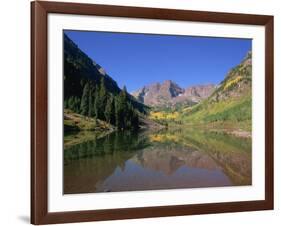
(91, 92)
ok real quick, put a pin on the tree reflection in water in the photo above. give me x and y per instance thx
(129, 161)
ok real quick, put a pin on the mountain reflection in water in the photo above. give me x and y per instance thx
(127, 161)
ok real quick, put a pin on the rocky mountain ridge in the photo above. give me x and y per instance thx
(169, 93)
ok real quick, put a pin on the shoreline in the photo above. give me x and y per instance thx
(226, 127)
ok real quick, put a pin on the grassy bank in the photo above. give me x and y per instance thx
(76, 122)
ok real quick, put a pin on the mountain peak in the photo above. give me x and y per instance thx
(170, 93)
(167, 82)
(199, 91)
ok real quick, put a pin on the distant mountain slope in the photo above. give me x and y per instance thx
(231, 100)
(169, 94)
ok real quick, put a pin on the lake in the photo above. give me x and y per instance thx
(146, 160)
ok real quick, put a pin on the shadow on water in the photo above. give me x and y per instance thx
(125, 161)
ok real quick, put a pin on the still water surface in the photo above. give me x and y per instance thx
(127, 161)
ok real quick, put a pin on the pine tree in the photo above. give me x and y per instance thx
(103, 98)
(77, 103)
(91, 111)
(121, 109)
(102, 87)
(65, 104)
(117, 112)
(128, 116)
(97, 111)
(71, 103)
(112, 115)
(135, 120)
(84, 107)
(108, 109)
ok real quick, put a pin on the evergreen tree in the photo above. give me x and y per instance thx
(128, 116)
(112, 114)
(97, 110)
(102, 87)
(117, 112)
(65, 104)
(108, 110)
(91, 112)
(135, 120)
(73, 103)
(77, 103)
(103, 98)
(121, 109)
(84, 107)
(70, 103)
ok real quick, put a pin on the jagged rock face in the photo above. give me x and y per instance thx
(170, 89)
(169, 93)
(201, 91)
(197, 93)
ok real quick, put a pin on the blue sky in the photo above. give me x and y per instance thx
(136, 60)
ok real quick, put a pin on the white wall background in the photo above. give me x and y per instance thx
(15, 113)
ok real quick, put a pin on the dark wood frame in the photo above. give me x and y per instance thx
(39, 109)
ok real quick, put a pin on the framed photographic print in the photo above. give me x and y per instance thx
(145, 112)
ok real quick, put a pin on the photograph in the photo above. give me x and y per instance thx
(149, 112)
